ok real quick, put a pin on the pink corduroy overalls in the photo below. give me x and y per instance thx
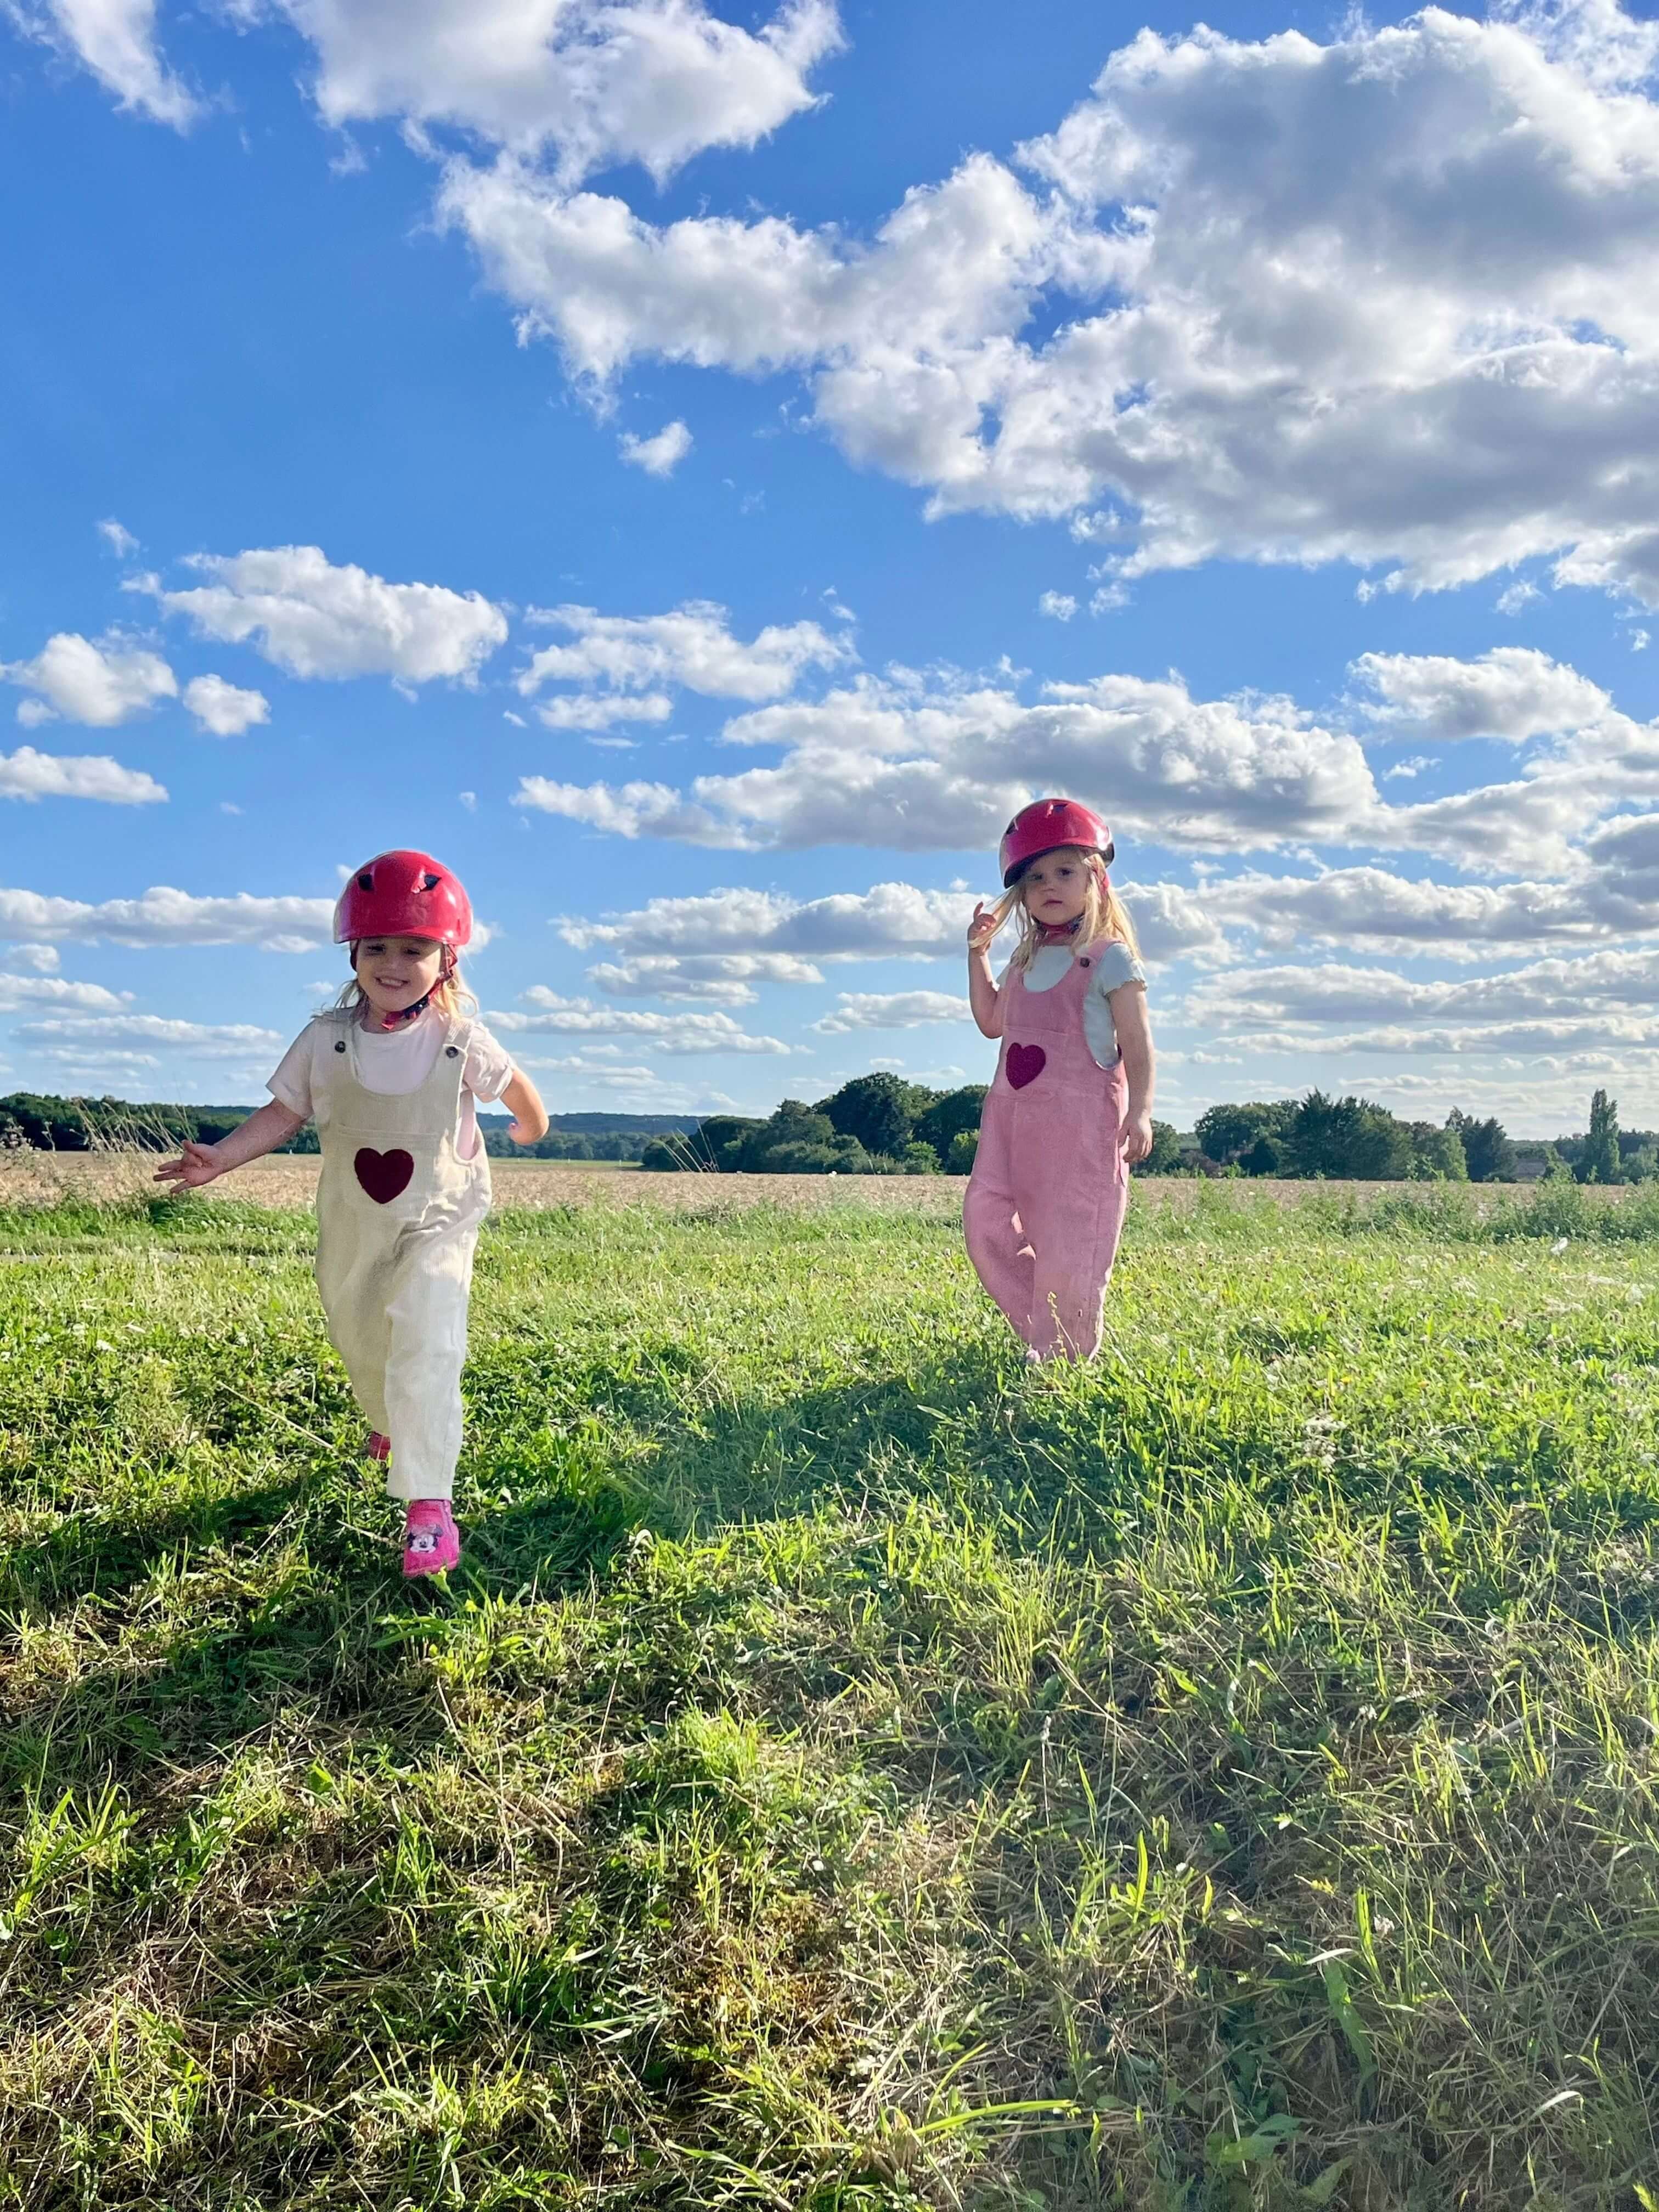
(1044, 1208)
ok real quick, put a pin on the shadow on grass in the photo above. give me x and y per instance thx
(293, 1590)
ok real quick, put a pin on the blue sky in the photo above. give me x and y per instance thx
(698, 470)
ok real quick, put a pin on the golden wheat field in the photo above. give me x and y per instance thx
(289, 1180)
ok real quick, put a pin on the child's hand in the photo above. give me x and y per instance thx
(197, 1164)
(1137, 1137)
(981, 929)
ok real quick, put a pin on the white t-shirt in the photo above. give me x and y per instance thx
(394, 1062)
(1114, 966)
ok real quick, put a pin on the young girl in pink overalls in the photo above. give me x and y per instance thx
(1070, 1110)
(391, 1075)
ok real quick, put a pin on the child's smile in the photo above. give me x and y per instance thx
(394, 972)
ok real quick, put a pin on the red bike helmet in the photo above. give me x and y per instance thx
(403, 894)
(1044, 826)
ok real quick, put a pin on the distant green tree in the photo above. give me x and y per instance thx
(792, 1156)
(1438, 1154)
(959, 1160)
(1266, 1156)
(950, 1114)
(1599, 1160)
(1165, 1156)
(920, 1158)
(718, 1140)
(1349, 1138)
(1488, 1152)
(1225, 1133)
(873, 1108)
(794, 1124)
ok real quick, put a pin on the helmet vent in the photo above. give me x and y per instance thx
(366, 881)
(429, 882)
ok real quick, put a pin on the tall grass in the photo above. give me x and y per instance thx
(851, 1770)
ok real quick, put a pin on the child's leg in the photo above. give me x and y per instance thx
(353, 1292)
(996, 1243)
(427, 1317)
(1075, 1252)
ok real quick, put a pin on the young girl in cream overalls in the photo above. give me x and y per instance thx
(1071, 1108)
(391, 1075)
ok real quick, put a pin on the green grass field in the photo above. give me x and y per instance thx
(851, 1771)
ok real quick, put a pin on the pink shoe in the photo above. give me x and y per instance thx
(432, 1543)
(379, 1447)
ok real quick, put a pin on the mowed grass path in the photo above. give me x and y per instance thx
(852, 1770)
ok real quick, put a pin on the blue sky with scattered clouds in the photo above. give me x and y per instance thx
(699, 469)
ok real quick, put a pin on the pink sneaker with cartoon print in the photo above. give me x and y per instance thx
(379, 1447)
(432, 1543)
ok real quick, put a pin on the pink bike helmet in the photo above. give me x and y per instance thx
(403, 894)
(1044, 826)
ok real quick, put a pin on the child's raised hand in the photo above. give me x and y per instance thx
(982, 928)
(195, 1164)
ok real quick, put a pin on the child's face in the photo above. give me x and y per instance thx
(395, 971)
(1056, 887)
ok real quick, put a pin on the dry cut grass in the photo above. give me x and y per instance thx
(289, 1180)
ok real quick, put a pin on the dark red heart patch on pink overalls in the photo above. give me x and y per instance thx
(383, 1175)
(1025, 1063)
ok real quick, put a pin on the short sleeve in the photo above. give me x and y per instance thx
(290, 1085)
(1114, 966)
(489, 1065)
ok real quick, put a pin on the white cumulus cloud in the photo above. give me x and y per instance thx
(678, 1034)
(717, 978)
(119, 539)
(878, 766)
(312, 618)
(692, 646)
(30, 774)
(162, 916)
(603, 710)
(1387, 299)
(1512, 692)
(115, 40)
(224, 709)
(890, 921)
(214, 1040)
(99, 684)
(24, 991)
(584, 84)
(890, 1010)
(660, 456)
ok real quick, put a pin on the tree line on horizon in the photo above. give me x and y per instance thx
(878, 1124)
(30, 1121)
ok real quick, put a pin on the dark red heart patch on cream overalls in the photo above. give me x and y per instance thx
(383, 1175)
(1025, 1063)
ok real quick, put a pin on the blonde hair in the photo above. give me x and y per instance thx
(449, 993)
(1104, 914)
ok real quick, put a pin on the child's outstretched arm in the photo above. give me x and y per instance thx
(982, 994)
(529, 1122)
(1134, 1044)
(251, 1139)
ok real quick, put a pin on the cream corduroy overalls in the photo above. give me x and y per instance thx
(398, 1217)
